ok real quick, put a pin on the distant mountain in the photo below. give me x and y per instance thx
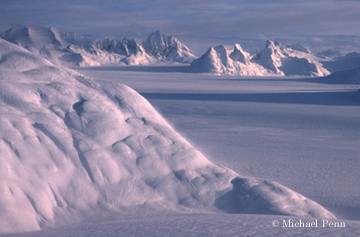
(350, 76)
(72, 49)
(167, 47)
(125, 47)
(273, 60)
(330, 53)
(239, 55)
(294, 60)
(298, 47)
(39, 37)
(270, 57)
(219, 60)
(349, 61)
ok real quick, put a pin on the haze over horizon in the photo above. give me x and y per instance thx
(317, 24)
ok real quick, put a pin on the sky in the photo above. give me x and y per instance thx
(201, 24)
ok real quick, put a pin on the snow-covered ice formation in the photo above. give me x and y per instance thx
(71, 146)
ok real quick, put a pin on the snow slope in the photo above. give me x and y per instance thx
(72, 147)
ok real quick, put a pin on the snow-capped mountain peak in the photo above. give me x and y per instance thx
(130, 47)
(222, 54)
(72, 49)
(214, 60)
(269, 57)
(272, 60)
(155, 44)
(167, 47)
(269, 44)
(125, 47)
(239, 55)
(219, 60)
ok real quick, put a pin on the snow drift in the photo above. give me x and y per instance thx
(71, 146)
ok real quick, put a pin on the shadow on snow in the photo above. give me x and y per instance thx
(350, 98)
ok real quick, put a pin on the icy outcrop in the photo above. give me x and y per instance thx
(167, 47)
(72, 146)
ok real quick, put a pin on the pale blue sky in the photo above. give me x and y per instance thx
(198, 23)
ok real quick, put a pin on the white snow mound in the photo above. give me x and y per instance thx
(71, 147)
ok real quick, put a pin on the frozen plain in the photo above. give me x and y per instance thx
(294, 131)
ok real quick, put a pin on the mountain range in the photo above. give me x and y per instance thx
(71, 49)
